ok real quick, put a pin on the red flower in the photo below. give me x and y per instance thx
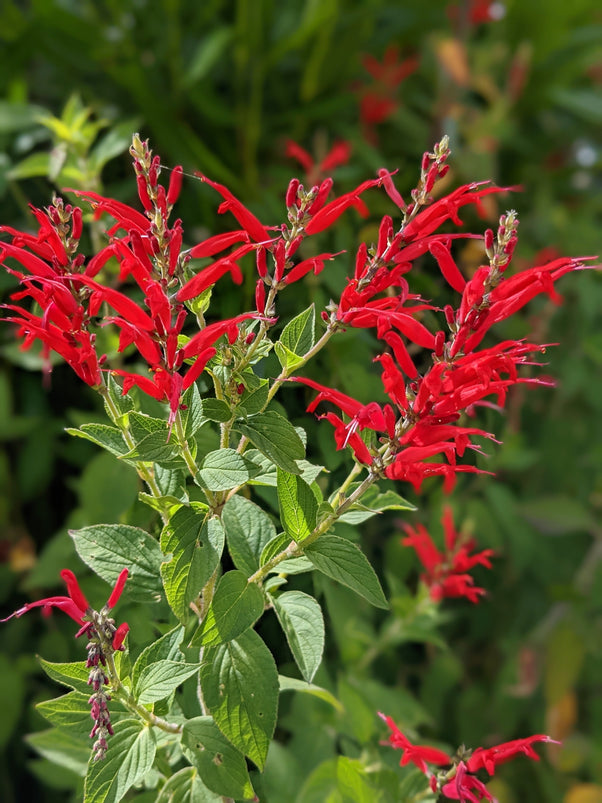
(489, 757)
(458, 783)
(315, 171)
(465, 788)
(75, 605)
(419, 755)
(447, 572)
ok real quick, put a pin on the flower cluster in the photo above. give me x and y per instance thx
(420, 432)
(447, 573)
(458, 780)
(104, 639)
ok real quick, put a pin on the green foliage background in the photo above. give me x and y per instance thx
(219, 87)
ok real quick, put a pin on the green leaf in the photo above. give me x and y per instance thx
(110, 438)
(290, 566)
(71, 711)
(339, 780)
(192, 415)
(216, 410)
(115, 141)
(298, 506)
(240, 687)
(221, 766)
(157, 681)
(300, 617)
(151, 435)
(186, 787)
(253, 401)
(276, 438)
(123, 403)
(19, 116)
(298, 336)
(167, 647)
(235, 607)
(36, 164)
(109, 548)
(287, 358)
(193, 546)
(268, 475)
(225, 469)
(294, 684)
(343, 561)
(75, 674)
(130, 757)
(171, 482)
(374, 502)
(248, 529)
(62, 748)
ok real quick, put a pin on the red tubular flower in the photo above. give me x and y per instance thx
(338, 155)
(246, 218)
(209, 275)
(327, 215)
(75, 605)
(488, 758)
(446, 572)
(466, 788)
(419, 755)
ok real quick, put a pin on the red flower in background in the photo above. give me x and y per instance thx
(458, 783)
(447, 572)
(316, 170)
(380, 99)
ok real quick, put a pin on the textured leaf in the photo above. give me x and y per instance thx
(216, 410)
(294, 684)
(61, 748)
(298, 335)
(109, 548)
(300, 617)
(298, 506)
(110, 438)
(193, 547)
(248, 529)
(152, 440)
(75, 674)
(240, 687)
(225, 469)
(130, 757)
(276, 438)
(186, 787)
(71, 711)
(289, 566)
(235, 607)
(339, 780)
(165, 648)
(343, 561)
(221, 766)
(157, 681)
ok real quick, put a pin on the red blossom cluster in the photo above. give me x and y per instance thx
(103, 640)
(421, 432)
(447, 573)
(152, 317)
(379, 97)
(459, 782)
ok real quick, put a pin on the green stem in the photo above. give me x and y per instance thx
(294, 550)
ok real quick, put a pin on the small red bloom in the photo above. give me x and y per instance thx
(75, 605)
(488, 758)
(419, 755)
(315, 170)
(447, 572)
